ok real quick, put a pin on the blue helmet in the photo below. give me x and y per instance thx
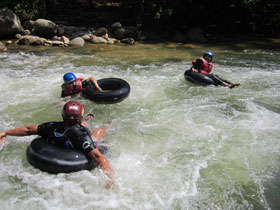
(69, 77)
(210, 54)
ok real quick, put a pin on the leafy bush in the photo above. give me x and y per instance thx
(25, 9)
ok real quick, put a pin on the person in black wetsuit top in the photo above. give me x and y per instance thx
(204, 66)
(70, 133)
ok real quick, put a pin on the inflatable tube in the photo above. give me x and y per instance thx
(114, 90)
(53, 159)
(198, 78)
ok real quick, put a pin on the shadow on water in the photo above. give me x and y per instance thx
(269, 104)
(272, 191)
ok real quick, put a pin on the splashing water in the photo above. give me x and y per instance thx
(175, 145)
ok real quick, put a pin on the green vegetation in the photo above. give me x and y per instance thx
(214, 16)
(25, 9)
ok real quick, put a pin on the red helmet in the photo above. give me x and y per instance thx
(73, 112)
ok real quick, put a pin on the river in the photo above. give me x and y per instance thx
(174, 144)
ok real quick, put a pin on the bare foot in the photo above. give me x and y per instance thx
(234, 85)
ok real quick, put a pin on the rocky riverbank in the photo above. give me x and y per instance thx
(48, 33)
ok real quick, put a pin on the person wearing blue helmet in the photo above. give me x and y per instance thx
(69, 77)
(204, 66)
(74, 85)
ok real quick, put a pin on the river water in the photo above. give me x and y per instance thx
(174, 144)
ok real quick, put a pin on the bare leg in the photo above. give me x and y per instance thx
(220, 81)
(226, 84)
(99, 133)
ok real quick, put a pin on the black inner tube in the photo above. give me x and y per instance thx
(196, 77)
(53, 159)
(114, 90)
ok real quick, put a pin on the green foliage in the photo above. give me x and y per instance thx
(214, 16)
(25, 9)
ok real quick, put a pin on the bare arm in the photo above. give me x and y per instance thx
(197, 65)
(25, 130)
(194, 70)
(93, 80)
(103, 163)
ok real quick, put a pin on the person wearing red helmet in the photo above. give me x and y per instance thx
(204, 66)
(69, 133)
(73, 85)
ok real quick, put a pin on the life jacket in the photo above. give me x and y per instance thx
(205, 68)
(78, 87)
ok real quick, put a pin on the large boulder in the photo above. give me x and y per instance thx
(77, 42)
(32, 40)
(9, 23)
(100, 32)
(44, 28)
(97, 40)
(116, 26)
(70, 30)
(126, 32)
(28, 25)
(128, 41)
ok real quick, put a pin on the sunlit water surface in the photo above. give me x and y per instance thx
(174, 145)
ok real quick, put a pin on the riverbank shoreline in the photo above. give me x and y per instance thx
(213, 40)
(46, 32)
